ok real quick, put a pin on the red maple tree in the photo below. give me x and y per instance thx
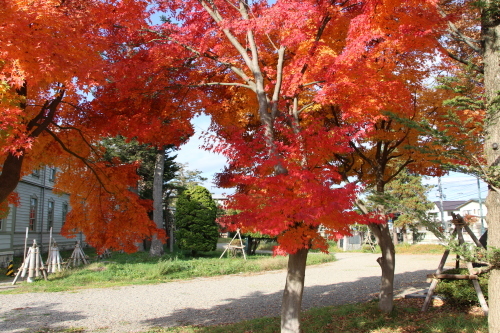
(58, 62)
(264, 72)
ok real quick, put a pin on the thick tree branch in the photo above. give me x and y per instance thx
(363, 156)
(84, 160)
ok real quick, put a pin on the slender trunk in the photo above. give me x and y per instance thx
(292, 295)
(387, 263)
(156, 244)
(394, 235)
(404, 231)
(491, 59)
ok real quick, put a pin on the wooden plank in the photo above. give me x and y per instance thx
(474, 238)
(435, 281)
(479, 292)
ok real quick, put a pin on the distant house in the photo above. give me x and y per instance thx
(463, 207)
(39, 210)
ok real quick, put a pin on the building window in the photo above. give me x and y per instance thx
(36, 173)
(50, 215)
(52, 174)
(64, 212)
(33, 209)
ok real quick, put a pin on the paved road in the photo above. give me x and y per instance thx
(355, 277)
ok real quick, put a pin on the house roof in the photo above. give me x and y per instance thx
(450, 205)
(469, 201)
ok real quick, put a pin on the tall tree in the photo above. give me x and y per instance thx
(156, 243)
(156, 169)
(266, 71)
(490, 27)
(473, 41)
(405, 198)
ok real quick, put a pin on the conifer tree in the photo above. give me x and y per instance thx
(195, 216)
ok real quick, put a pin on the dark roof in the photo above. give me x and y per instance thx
(450, 205)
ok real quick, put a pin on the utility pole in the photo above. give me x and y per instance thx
(440, 190)
(480, 205)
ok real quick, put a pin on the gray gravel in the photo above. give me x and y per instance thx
(355, 277)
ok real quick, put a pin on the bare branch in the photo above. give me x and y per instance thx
(465, 62)
(279, 81)
(311, 83)
(213, 57)
(222, 84)
(305, 107)
(232, 39)
(458, 35)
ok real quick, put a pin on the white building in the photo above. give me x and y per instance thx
(39, 209)
(470, 207)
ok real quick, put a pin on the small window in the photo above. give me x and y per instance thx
(33, 209)
(52, 174)
(64, 212)
(36, 173)
(50, 215)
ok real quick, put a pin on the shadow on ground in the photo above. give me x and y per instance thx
(37, 318)
(257, 304)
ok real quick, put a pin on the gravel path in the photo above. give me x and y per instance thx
(353, 278)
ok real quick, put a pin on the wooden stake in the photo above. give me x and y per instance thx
(77, 257)
(459, 223)
(234, 247)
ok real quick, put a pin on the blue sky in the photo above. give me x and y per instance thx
(456, 186)
(202, 160)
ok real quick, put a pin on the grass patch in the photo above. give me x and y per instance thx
(360, 318)
(406, 248)
(139, 268)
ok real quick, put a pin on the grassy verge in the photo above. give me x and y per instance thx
(361, 318)
(405, 248)
(140, 268)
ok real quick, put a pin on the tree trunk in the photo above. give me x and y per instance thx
(156, 249)
(10, 176)
(292, 295)
(394, 235)
(387, 262)
(491, 59)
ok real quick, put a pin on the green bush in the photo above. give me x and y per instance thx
(195, 217)
(462, 292)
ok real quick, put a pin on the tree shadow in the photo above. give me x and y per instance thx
(258, 304)
(38, 318)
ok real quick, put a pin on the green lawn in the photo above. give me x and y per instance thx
(139, 268)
